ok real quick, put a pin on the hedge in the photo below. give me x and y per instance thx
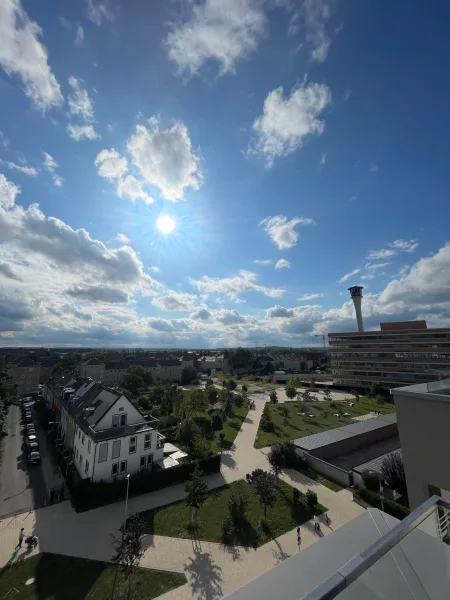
(389, 506)
(86, 495)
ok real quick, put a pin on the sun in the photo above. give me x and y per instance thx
(165, 224)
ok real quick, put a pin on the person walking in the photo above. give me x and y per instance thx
(21, 536)
(299, 539)
(316, 523)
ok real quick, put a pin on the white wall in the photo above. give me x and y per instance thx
(121, 407)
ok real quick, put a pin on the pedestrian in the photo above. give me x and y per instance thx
(316, 523)
(21, 536)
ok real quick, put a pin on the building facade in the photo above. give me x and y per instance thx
(396, 355)
(26, 374)
(92, 368)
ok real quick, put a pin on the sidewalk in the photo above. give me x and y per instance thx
(50, 471)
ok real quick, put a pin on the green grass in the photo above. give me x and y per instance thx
(323, 419)
(173, 520)
(58, 577)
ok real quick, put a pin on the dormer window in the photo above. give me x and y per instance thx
(119, 420)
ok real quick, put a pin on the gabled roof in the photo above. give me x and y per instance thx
(25, 362)
(103, 402)
(93, 361)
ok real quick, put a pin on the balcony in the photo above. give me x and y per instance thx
(160, 441)
(409, 562)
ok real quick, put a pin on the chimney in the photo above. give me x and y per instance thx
(356, 294)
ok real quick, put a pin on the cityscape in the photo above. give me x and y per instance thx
(224, 311)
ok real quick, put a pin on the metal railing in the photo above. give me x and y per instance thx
(358, 565)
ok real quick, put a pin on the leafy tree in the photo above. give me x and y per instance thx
(227, 403)
(268, 368)
(327, 394)
(239, 358)
(239, 400)
(221, 442)
(145, 375)
(311, 382)
(273, 396)
(393, 472)
(211, 394)
(303, 366)
(170, 397)
(95, 354)
(380, 400)
(128, 546)
(311, 500)
(276, 460)
(285, 414)
(306, 396)
(209, 382)
(132, 382)
(376, 389)
(199, 448)
(264, 486)
(231, 384)
(291, 458)
(266, 422)
(257, 364)
(371, 480)
(244, 387)
(217, 420)
(196, 489)
(188, 374)
(187, 432)
(290, 390)
(237, 508)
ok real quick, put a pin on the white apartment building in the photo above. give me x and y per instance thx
(92, 368)
(212, 363)
(113, 438)
(167, 369)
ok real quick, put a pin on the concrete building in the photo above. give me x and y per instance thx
(423, 412)
(213, 363)
(92, 368)
(113, 438)
(26, 374)
(398, 354)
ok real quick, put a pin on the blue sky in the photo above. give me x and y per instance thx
(298, 146)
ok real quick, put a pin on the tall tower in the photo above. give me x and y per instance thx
(356, 294)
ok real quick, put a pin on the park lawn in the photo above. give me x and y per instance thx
(233, 424)
(173, 520)
(57, 577)
(324, 418)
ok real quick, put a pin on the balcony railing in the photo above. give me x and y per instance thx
(429, 519)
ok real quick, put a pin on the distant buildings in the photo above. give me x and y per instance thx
(396, 355)
(112, 373)
(26, 373)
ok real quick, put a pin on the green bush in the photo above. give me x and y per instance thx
(390, 507)
(86, 495)
(371, 480)
(295, 495)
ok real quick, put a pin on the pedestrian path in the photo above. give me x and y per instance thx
(212, 570)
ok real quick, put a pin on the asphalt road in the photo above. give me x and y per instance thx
(22, 487)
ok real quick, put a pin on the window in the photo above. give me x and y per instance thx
(115, 420)
(147, 441)
(123, 466)
(132, 445)
(103, 453)
(115, 469)
(116, 449)
(149, 459)
(89, 446)
(86, 467)
(123, 420)
(143, 462)
(82, 439)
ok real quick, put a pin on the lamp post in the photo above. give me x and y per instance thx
(126, 499)
(381, 490)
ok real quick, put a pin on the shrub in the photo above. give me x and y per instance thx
(238, 400)
(217, 418)
(371, 480)
(227, 531)
(390, 507)
(267, 423)
(333, 404)
(311, 500)
(295, 495)
(231, 384)
(237, 508)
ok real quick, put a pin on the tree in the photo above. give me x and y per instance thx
(212, 394)
(376, 389)
(94, 354)
(193, 403)
(273, 396)
(239, 358)
(231, 384)
(227, 402)
(303, 366)
(266, 422)
(371, 480)
(380, 400)
(146, 376)
(311, 382)
(188, 374)
(169, 397)
(70, 361)
(221, 442)
(290, 390)
(239, 400)
(187, 432)
(276, 460)
(217, 420)
(311, 500)
(196, 489)
(200, 447)
(128, 546)
(285, 414)
(327, 394)
(237, 508)
(306, 396)
(393, 472)
(132, 382)
(264, 486)
(268, 368)
(244, 388)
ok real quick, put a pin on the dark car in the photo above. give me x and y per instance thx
(27, 432)
(32, 446)
(34, 458)
(29, 426)
(28, 418)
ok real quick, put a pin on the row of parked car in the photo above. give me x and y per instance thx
(29, 433)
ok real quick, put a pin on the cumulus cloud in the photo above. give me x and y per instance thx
(82, 132)
(232, 287)
(165, 158)
(175, 301)
(8, 192)
(201, 314)
(25, 169)
(283, 264)
(22, 54)
(347, 276)
(282, 231)
(80, 104)
(214, 31)
(280, 312)
(7, 272)
(132, 189)
(395, 247)
(98, 293)
(124, 239)
(286, 122)
(307, 297)
(110, 164)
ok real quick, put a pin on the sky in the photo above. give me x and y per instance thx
(211, 173)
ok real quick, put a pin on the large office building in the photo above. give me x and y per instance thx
(397, 354)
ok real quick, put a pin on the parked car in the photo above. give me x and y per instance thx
(34, 458)
(31, 438)
(32, 446)
(27, 432)
(28, 418)
(29, 426)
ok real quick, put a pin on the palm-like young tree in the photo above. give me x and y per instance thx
(197, 490)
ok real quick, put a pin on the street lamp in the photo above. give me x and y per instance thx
(126, 499)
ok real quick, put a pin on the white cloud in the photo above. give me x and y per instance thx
(51, 165)
(98, 11)
(8, 193)
(312, 16)
(395, 247)
(175, 301)
(262, 262)
(282, 231)
(25, 169)
(307, 297)
(132, 188)
(80, 104)
(323, 159)
(165, 158)
(122, 238)
(404, 245)
(347, 276)
(154, 269)
(285, 123)
(22, 54)
(7, 272)
(280, 312)
(79, 36)
(373, 167)
(380, 254)
(216, 31)
(232, 287)
(201, 314)
(375, 266)
(98, 293)
(367, 276)
(110, 164)
(283, 264)
(82, 132)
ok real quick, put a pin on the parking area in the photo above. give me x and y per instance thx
(22, 486)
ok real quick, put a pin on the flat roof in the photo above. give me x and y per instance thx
(325, 438)
(375, 464)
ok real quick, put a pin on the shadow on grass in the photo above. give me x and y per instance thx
(204, 575)
(244, 534)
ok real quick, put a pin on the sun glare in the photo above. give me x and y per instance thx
(165, 224)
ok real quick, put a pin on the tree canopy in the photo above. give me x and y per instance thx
(239, 358)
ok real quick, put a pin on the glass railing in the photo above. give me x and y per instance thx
(438, 381)
(409, 562)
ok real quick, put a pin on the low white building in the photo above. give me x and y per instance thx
(113, 438)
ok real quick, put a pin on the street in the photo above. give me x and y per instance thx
(22, 487)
